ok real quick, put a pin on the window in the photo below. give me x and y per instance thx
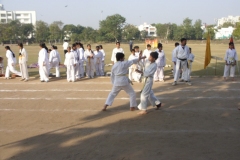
(3, 15)
(25, 15)
(3, 21)
(152, 33)
(18, 15)
(26, 20)
(9, 15)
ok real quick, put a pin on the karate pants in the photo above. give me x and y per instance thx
(12, 69)
(81, 66)
(77, 71)
(70, 73)
(147, 94)
(189, 70)
(103, 67)
(98, 69)
(159, 74)
(43, 71)
(56, 65)
(24, 70)
(229, 69)
(90, 69)
(116, 89)
(130, 74)
(181, 65)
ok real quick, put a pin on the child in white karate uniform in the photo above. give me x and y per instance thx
(161, 62)
(231, 61)
(55, 60)
(115, 51)
(23, 58)
(133, 67)
(120, 81)
(70, 63)
(90, 61)
(98, 56)
(103, 60)
(147, 92)
(190, 61)
(43, 63)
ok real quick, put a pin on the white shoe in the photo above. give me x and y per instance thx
(174, 83)
(22, 79)
(188, 83)
(47, 81)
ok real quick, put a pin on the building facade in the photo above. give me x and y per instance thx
(224, 33)
(230, 19)
(25, 17)
(151, 30)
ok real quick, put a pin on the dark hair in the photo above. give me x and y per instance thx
(231, 43)
(89, 45)
(119, 56)
(42, 45)
(74, 45)
(154, 55)
(54, 47)
(81, 45)
(159, 45)
(190, 48)
(136, 47)
(176, 44)
(149, 45)
(97, 47)
(132, 50)
(49, 50)
(101, 46)
(20, 45)
(8, 48)
(117, 42)
(183, 39)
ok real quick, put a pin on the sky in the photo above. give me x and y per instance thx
(136, 12)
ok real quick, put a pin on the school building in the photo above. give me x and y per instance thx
(151, 30)
(25, 17)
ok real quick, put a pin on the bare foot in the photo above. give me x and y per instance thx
(105, 107)
(132, 109)
(159, 106)
(142, 112)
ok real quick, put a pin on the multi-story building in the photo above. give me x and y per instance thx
(151, 30)
(25, 17)
(223, 33)
(230, 19)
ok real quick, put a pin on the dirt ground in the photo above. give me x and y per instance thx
(61, 120)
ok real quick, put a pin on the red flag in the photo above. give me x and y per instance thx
(231, 40)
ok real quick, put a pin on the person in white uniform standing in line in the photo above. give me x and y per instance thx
(120, 81)
(55, 60)
(174, 59)
(81, 59)
(11, 63)
(70, 63)
(230, 58)
(190, 61)
(23, 58)
(90, 62)
(181, 53)
(115, 51)
(65, 46)
(147, 52)
(103, 60)
(98, 56)
(133, 67)
(43, 63)
(161, 62)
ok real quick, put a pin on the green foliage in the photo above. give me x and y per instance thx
(111, 28)
(227, 24)
(236, 32)
(55, 30)
(42, 31)
(131, 32)
(211, 31)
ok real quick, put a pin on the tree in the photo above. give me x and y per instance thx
(143, 34)
(42, 31)
(25, 31)
(111, 28)
(227, 24)
(172, 31)
(188, 30)
(211, 31)
(236, 32)
(131, 32)
(55, 31)
(162, 30)
(198, 30)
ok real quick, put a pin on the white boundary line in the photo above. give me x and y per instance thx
(123, 98)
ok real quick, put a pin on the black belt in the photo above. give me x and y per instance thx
(182, 59)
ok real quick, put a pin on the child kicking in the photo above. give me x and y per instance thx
(120, 81)
(147, 92)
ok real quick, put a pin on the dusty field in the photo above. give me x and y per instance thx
(197, 68)
(60, 120)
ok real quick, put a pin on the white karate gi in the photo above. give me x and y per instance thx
(23, 58)
(161, 62)
(90, 63)
(181, 55)
(77, 68)
(114, 52)
(120, 82)
(230, 58)
(147, 92)
(69, 62)
(132, 68)
(81, 62)
(103, 60)
(54, 60)
(11, 64)
(147, 53)
(190, 61)
(43, 63)
(98, 56)
(174, 60)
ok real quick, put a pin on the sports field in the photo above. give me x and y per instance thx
(197, 49)
(60, 120)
